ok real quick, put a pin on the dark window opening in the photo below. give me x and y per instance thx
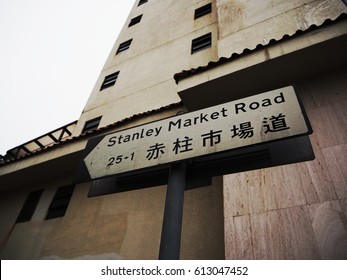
(135, 20)
(109, 80)
(204, 10)
(124, 46)
(29, 206)
(142, 2)
(345, 1)
(60, 202)
(91, 125)
(201, 43)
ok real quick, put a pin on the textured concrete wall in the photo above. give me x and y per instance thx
(245, 24)
(161, 47)
(118, 226)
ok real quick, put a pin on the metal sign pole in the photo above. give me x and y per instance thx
(172, 222)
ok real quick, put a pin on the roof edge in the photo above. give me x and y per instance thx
(212, 64)
(7, 159)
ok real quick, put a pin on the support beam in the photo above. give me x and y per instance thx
(172, 223)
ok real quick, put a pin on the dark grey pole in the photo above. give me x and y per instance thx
(172, 224)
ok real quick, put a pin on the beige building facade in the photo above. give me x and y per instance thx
(280, 200)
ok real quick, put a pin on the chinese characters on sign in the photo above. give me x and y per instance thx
(244, 130)
(265, 117)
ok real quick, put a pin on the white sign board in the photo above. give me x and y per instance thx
(260, 118)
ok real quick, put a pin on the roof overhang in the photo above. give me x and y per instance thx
(59, 171)
(283, 63)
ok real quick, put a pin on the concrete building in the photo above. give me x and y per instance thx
(285, 199)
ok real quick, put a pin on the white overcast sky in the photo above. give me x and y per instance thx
(51, 53)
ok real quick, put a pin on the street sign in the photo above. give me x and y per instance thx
(268, 116)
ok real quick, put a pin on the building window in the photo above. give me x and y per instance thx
(91, 125)
(60, 202)
(29, 206)
(135, 20)
(204, 10)
(201, 43)
(124, 46)
(109, 80)
(142, 2)
(345, 1)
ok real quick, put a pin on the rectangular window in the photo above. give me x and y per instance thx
(204, 10)
(142, 2)
(109, 80)
(60, 202)
(91, 125)
(29, 206)
(124, 46)
(201, 43)
(135, 20)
